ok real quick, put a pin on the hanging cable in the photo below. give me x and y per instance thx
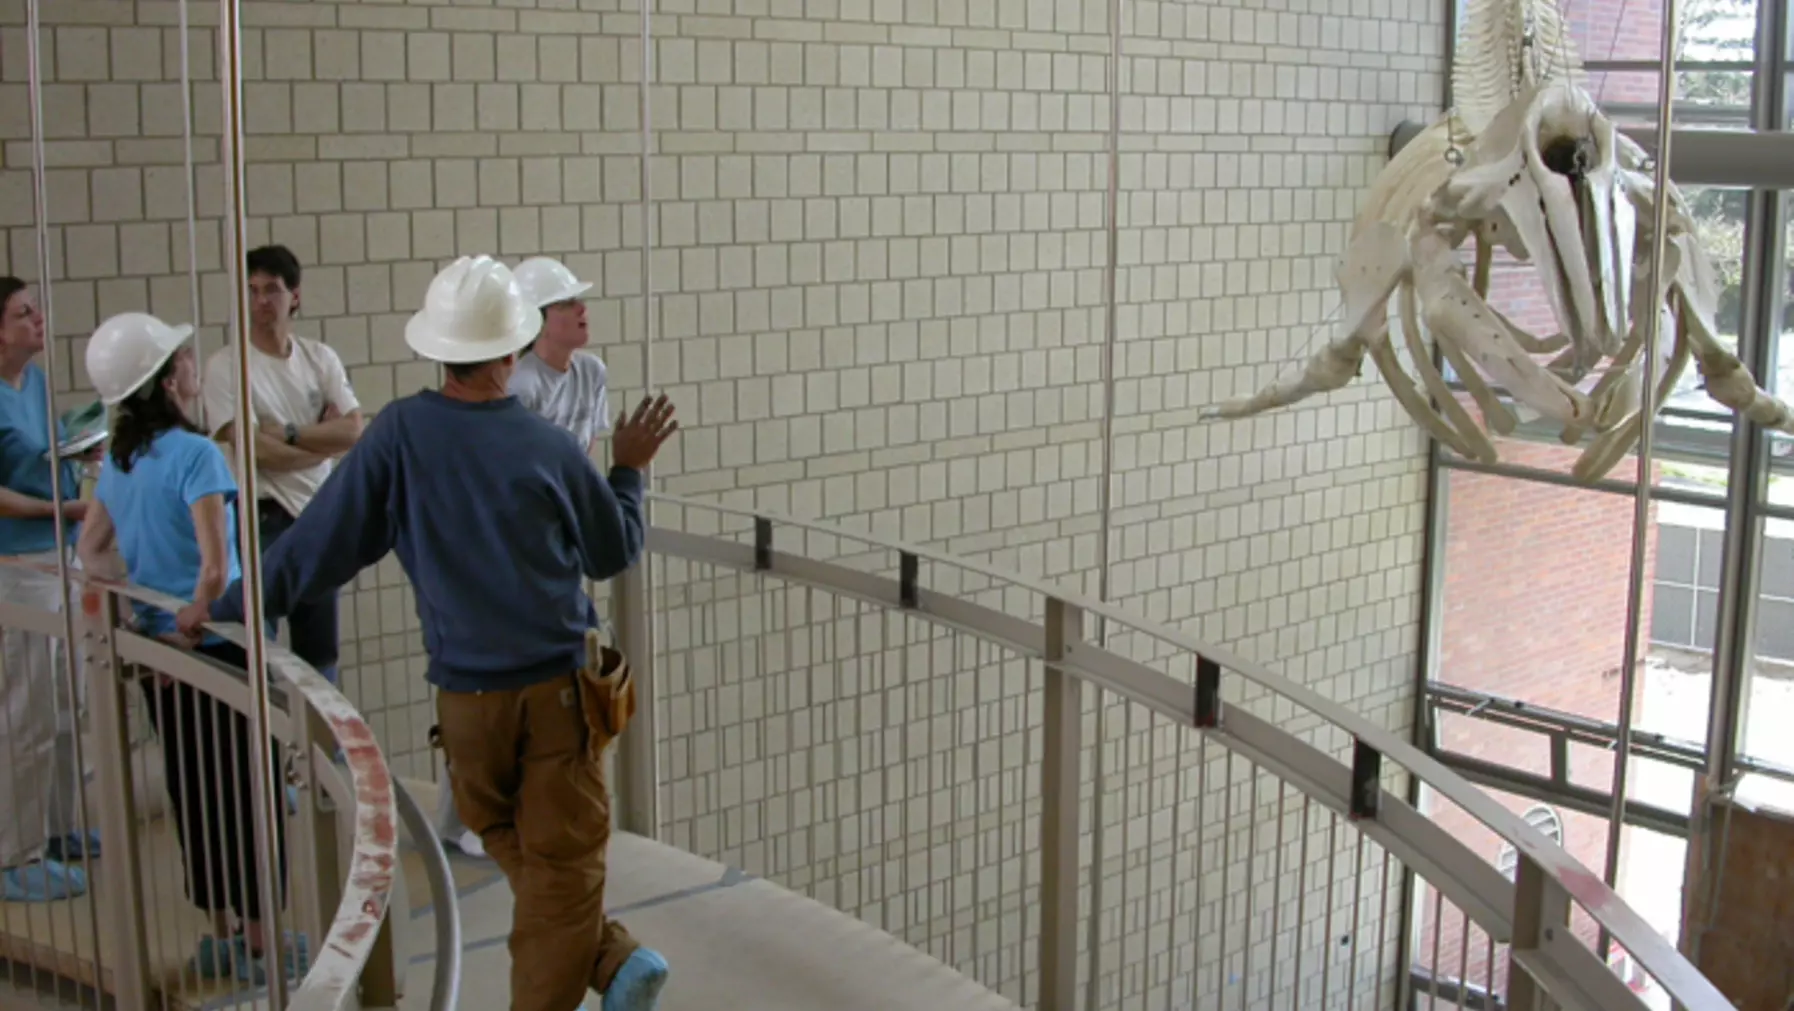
(267, 796)
(1641, 503)
(193, 310)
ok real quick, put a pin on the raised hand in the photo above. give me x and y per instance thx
(640, 435)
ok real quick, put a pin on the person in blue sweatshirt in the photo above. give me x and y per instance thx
(497, 515)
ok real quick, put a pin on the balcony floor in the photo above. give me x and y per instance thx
(732, 941)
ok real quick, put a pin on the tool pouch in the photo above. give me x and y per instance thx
(606, 694)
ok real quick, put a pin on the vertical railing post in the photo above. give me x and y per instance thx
(319, 820)
(1541, 908)
(380, 977)
(1062, 749)
(638, 782)
(128, 940)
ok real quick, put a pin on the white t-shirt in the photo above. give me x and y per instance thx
(574, 400)
(286, 391)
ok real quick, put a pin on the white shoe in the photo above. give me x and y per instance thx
(470, 844)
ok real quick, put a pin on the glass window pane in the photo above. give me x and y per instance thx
(1534, 609)
(1633, 29)
(1781, 446)
(1694, 431)
(1534, 602)
(1716, 29)
(1769, 691)
(1710, 99)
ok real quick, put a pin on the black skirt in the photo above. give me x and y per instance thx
(205, 758)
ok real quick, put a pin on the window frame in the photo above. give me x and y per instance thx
(1760, 159)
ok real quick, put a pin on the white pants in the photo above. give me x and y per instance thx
(39, 788)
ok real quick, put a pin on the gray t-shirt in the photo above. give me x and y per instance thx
(575, 399)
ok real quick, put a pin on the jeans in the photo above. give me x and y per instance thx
(312, 625)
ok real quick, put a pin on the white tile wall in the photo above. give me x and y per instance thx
(880, 252)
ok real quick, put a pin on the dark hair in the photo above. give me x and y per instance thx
(467, 370)
(9, 286)
(144, 415)
(531, 346)
(275, 261)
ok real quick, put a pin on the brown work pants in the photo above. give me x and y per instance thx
(524, 766)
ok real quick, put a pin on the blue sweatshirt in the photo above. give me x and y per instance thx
(496, 515)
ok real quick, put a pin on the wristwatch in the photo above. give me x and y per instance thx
(292, 434)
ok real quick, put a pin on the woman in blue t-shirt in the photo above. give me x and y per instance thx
(166, 500)
(39, 794)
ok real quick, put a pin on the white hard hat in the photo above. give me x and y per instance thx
(546, 280)
(128, 350)
(473, 312)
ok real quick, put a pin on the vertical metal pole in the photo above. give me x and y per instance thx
(1061, 760)
(127, 941)
(1111, 288)
(1641, 503)
(1105, 481)
(72, 675)
(1541, 906)
(637, 788)
(638, 772)
(266, 793)
(195, 311)
(319, 821)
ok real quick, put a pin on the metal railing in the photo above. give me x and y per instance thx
(1067, 803)
(125, 937)
(1078, 807)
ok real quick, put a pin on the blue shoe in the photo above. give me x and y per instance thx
(44, 881)
(73, 847)
(216, 959)
(637, 985)
(296, 959)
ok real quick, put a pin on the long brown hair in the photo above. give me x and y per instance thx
(144, 415)
(9, 286)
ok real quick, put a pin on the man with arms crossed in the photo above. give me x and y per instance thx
(498, 517)
(308, 416)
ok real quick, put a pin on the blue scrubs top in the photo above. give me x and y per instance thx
(24, 439)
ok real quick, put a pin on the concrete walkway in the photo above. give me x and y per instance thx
(732, 941)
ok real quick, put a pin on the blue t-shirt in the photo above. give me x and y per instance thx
(24, 439)
(152, 510)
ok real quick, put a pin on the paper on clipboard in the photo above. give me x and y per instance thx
(77, 446)
(86, 427)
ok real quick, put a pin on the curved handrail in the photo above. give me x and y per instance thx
(445, 989)
(1649, 949)
(337, 963)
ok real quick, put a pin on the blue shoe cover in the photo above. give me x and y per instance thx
(44, 881)
(296, 959)
(216, 959)
(637, 985)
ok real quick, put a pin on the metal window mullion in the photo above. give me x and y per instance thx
(1748, 479)
(1654, 66)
